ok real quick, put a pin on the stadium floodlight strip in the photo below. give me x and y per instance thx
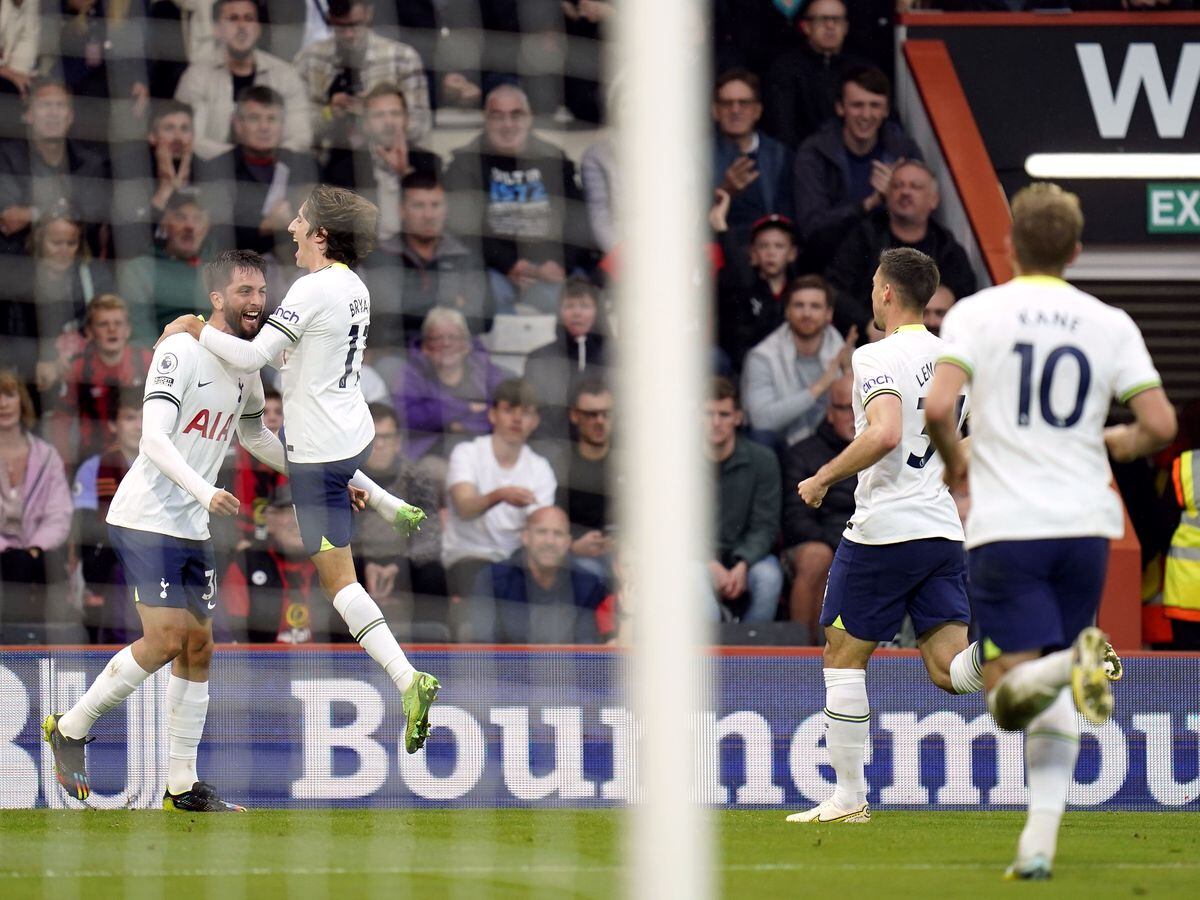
(1113, 165)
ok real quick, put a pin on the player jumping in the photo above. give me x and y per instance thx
(319, 332)
(902, 551)
(1045, 361)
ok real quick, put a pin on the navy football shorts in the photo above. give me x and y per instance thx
(322, 502)
(872, 586)
(1036, 595)
(161, 570)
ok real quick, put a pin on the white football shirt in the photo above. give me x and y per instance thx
(209, 398)
(902, 497)
(1045, 361)
(497, 533)
(319, 332)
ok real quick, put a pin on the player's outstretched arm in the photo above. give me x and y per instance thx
(881, 436)
(261, 443)
(1154, 427)
(158, 422)
(941, 420)
(247, 356)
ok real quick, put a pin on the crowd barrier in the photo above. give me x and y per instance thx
(551, 727)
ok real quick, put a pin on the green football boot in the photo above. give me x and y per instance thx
(416, 701)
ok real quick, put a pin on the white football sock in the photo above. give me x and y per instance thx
(847, 725)
(368, 626)
(1028, 688)
(1051, 747)
(380, 500)
(119, 679)
(966, 672)
(187, 708)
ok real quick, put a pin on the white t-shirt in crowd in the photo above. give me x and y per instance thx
(497, 533)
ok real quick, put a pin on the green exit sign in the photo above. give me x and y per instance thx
(1173, 208)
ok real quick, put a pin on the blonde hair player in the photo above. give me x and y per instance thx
(1044, 361)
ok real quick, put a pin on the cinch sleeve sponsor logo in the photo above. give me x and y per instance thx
(878, 381)
(286, 315)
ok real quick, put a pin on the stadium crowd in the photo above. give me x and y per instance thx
(139, 137)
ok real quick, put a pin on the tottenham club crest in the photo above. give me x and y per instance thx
(168, 364)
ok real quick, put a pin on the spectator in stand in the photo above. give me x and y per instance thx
(146, 176)
(404, 575)
(107, 614)
(447, 389)
(422, 268)
(43, 300)
(494, 482)
(518, 195)
(905, 221)
(99, 48)
(273, 595)
(750, 306)
(937, 307)
(378, 166)
(95, 378)
(788, 375)
(752, 167)
(258, 185)
(46, 171)
(744, 571)
(601, 185)
(843, 170)
(166, 283)
(578, 351)
(583, 482)
(805, 82)
(811, 535)
(338, 72)
(20, 31)
(35, 510)
(538, 595)
(212, 84)
(491, 42)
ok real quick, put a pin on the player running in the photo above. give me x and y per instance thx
(1044, 361)
(319, 333)
(902, 551)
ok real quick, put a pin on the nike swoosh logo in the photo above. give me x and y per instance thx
(204, 384)
(212, 604)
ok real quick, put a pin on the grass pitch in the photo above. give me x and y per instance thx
(572, 853)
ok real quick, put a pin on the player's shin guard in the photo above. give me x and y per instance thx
(1029, 688)
(966, 670)
(847, 725)
(370, 629)
(119, 679)
(1051, 746)
(187, 708)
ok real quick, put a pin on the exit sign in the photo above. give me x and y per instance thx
(1173, 208)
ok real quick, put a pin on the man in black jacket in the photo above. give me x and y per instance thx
(804, 83)
(811, 535)
(906, 221)
(255, 190)
(48, 171)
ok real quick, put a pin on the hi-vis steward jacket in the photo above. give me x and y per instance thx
(1181, 591)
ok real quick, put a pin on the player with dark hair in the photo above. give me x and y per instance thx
(319, 332)
(901, 552)
(1045, 362)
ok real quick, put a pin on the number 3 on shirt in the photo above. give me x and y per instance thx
(918, 462)
(355, 347)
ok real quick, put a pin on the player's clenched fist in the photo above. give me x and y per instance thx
(223, 503)
(812, 491)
